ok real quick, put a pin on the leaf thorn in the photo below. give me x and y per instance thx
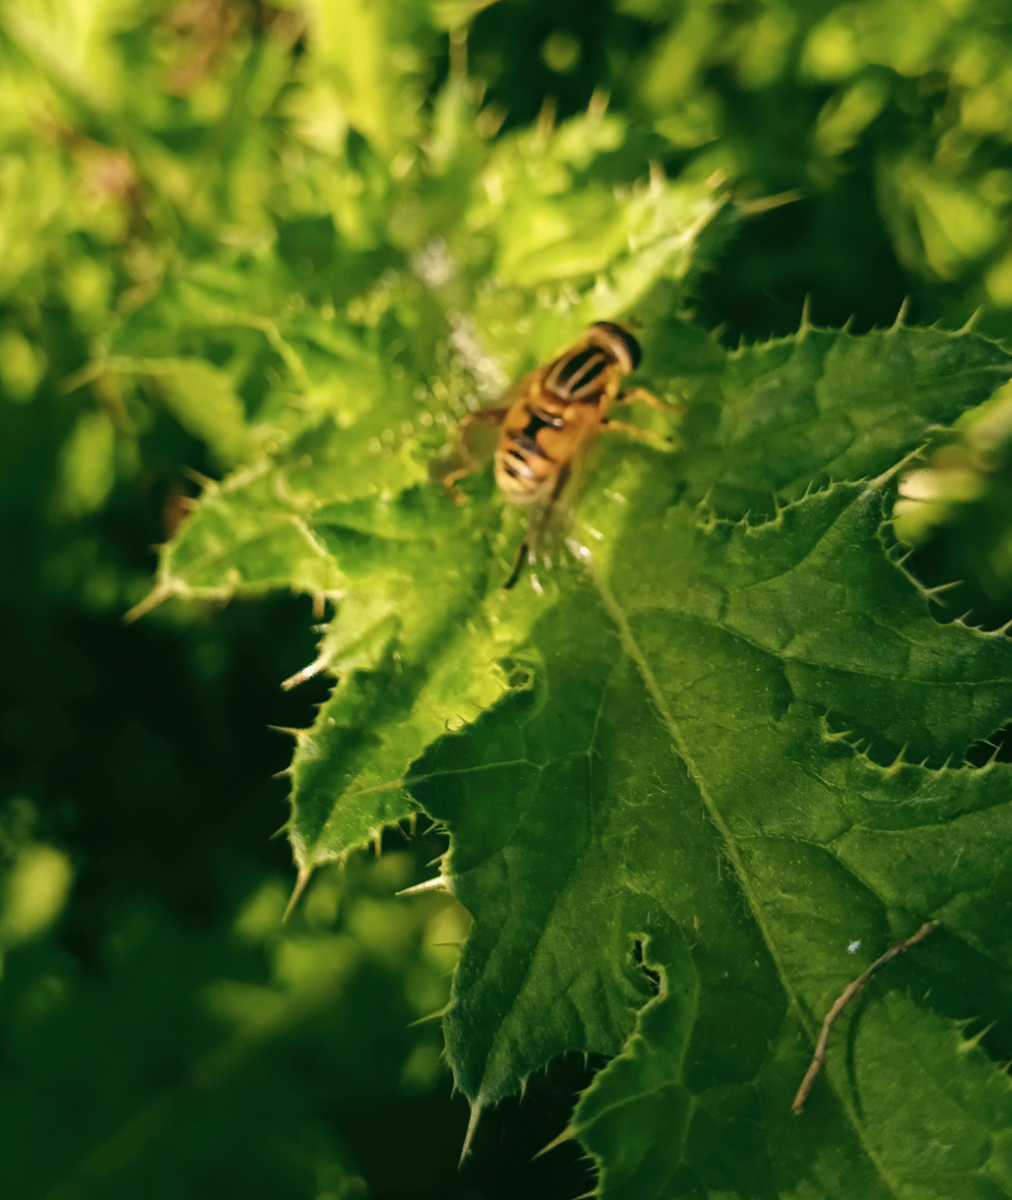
(972, 321)
(566, 1135)
(433, 1016)
(806, 315)
(438, 883)
(472, 1125)
(295, 733)
(901, 316)
(162, 590)
(973, 1042)
(898, 760)
(314, 668)
(933, 593)
(303, 877)
(202, 481)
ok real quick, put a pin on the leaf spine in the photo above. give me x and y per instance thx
(303, 877)
(314, 668)
(204, 482)
(472, 1125)
(806, 316)
(898, 760)
(433, 1016)
(162, 590)
(973, 1042)
(566, 1135)
(972, 321)
(933, 593)
(438, 883)
(901, 315)
(295, 733)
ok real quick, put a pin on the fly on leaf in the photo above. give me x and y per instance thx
(548, 423)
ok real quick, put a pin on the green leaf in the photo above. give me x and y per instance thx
(824, 405)
(661, 751)
(203, 400)
(676, 765)
(683, 774)
(676, 781)
(343, 507)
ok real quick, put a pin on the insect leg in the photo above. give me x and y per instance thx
(639, 393)
(518, 567)
(636, 431)
(469, 457)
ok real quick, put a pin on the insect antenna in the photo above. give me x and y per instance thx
(518, 567)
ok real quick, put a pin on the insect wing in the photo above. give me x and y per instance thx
(551, 521)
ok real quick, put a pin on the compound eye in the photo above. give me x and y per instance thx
(625, 338)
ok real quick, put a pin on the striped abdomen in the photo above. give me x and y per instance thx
(560, 406)
(532, 445)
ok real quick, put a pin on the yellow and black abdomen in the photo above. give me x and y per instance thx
(560, 406)
(535, 445)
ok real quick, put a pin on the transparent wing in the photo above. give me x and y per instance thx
(474, 445)
(551, 522)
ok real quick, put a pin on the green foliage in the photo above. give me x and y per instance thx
(693, 782)
(659, 750)
(336, 986)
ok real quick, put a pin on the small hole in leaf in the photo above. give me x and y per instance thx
(652, 976)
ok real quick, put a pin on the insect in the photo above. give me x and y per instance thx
(548, 423)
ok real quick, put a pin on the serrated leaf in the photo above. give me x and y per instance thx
(679, 786)
(647, 752)
(823, 405)
(344, 508)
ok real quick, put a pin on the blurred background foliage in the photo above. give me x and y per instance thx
(211, 205)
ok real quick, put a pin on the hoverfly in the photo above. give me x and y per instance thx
(548, 423)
